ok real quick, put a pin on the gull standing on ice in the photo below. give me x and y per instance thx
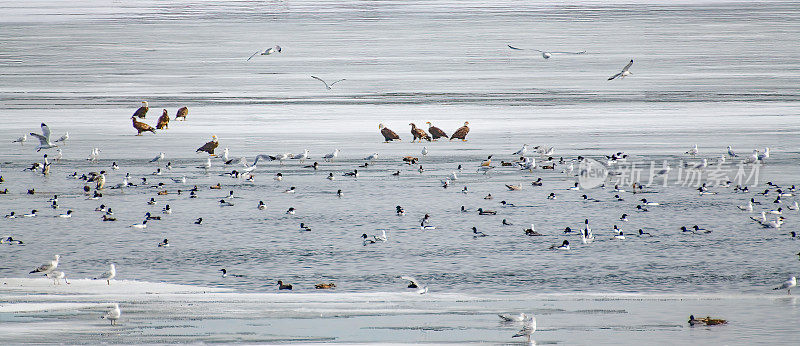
(158, 157)
(94, 155)
(522, 151)
(47, 267)
(63, 138)
(113, 314)
(302, 157)
(528, 329)
(56, 276)
(792, 282)
(331, 156)
(110, 274)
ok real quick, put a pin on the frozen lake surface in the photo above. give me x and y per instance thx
(708, 73)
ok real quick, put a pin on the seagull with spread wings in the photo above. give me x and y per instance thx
(625, 71)
(44, 138)
(546, 54)
(268, 51)
(327, 86)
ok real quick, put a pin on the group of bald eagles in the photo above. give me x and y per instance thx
(389, 135)
(163, 120)
(420, 134)
(163, 124)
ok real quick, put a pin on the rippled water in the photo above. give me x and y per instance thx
(711, 73)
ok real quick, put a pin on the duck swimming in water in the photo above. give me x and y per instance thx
(706, 321)
(225, 274)
(366, 241)
(645, 202)
(486, 212)
(532, 232)
(282, 286)
(564, 246)
(477, 234)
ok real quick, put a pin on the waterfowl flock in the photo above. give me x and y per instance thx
(528, 171)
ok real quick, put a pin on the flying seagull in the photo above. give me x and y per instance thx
(625, 71)
(268, 51)
(44, 138)
(546, 54)
(327, 86)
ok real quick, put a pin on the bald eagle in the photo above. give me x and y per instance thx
(462, 132)
(210, 146)
(436, 132)
(182, 113)
(141, 127)
(142, 111)
(163, 121)
(388, 135)
(419, 133)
